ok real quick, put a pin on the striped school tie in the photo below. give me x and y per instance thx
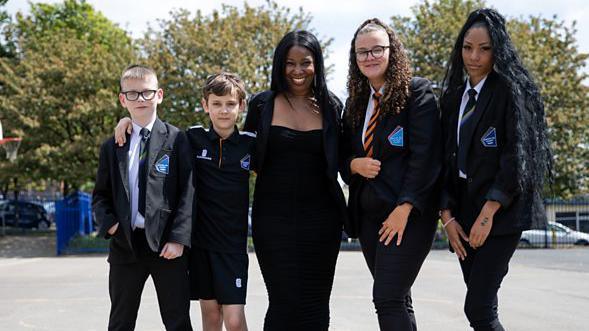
(468, 111)
(144, 134)
(470, 106)
(371, 127)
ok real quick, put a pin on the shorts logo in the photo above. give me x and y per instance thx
(489, 139)
(163, 165)
(203, 155)
(238, 282)
(245, 162)
(396, 137)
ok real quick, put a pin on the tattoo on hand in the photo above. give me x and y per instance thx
(484, 221)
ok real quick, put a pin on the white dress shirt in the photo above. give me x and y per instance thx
(477, 88)
(137, 220)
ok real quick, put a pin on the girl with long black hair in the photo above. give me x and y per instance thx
(495, 160)
(298, 204)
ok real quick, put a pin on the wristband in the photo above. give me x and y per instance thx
(449, 221)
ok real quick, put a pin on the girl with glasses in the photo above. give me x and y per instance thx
(391, 158)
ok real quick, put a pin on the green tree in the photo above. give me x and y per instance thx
(549, 50)
(60, 90)
(5, 46)
(188, 48)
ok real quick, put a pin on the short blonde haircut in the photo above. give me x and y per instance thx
(137, 71)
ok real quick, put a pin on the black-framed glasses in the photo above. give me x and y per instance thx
(376, 51)
(134, 95)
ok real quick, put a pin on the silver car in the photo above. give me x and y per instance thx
(557, 233)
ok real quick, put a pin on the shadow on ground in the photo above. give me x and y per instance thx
(29, 243)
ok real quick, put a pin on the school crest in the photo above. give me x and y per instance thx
(396, 137)
(489, 139)
(245, 162)
(163, 165)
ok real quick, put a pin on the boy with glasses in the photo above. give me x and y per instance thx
(221, 158)
(142, 202)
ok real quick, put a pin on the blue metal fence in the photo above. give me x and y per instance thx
(73, 217)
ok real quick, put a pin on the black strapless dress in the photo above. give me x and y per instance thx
(296, 230)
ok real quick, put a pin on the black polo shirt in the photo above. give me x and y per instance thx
(221, 178)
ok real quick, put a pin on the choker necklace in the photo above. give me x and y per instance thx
(310, 103)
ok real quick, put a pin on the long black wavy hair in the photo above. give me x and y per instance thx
(307, 40)
(532, 145)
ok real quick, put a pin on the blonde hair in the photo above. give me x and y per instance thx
(137, 71)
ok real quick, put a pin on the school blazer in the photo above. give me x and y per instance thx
(409, 147)
(491, 162)
(259, 120)
(168, 208)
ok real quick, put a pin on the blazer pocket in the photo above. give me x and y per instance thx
(164, 215)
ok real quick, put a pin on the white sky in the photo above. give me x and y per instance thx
(337, 19)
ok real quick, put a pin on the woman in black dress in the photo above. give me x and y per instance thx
(298, 206)
(495, 160)
(391, 152)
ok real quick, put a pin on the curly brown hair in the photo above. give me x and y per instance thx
(397, 80)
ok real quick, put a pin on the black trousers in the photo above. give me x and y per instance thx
(483, 270)
(394, 268)
(170, 277)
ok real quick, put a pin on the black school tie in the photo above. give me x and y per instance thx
(468, 111)
(143, 151)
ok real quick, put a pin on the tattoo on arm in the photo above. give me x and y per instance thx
(484, 221)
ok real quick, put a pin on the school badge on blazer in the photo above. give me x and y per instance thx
(163, 165)
(245, 162)
(489, 139)
(396, 137)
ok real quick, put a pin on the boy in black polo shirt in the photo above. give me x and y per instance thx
(222, 159)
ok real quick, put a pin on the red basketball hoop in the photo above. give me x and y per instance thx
(11, 146)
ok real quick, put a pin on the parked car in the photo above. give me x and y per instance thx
(562, 234)
(30, 215)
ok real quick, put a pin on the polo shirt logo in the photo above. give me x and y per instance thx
(203, 155)
(245, 162)
(396, 137)
(489, 139)
(163, 165)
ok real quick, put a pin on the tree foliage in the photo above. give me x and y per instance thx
(549, 50)
(189, 47)
(60, 90)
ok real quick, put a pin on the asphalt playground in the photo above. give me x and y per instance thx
(544, 290)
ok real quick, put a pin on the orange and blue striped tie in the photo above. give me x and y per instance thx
(371, 127)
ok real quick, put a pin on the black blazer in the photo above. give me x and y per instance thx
(168, 207)
(491, 162)
(409, 147)
(259, 120)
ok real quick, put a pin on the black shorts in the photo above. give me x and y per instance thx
(218, 276)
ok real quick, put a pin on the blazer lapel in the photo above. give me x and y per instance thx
(359, 135)
(329, 121)
(265, 122)
(481, 107)
(123, 162)
(455, 106)
(158, 137)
